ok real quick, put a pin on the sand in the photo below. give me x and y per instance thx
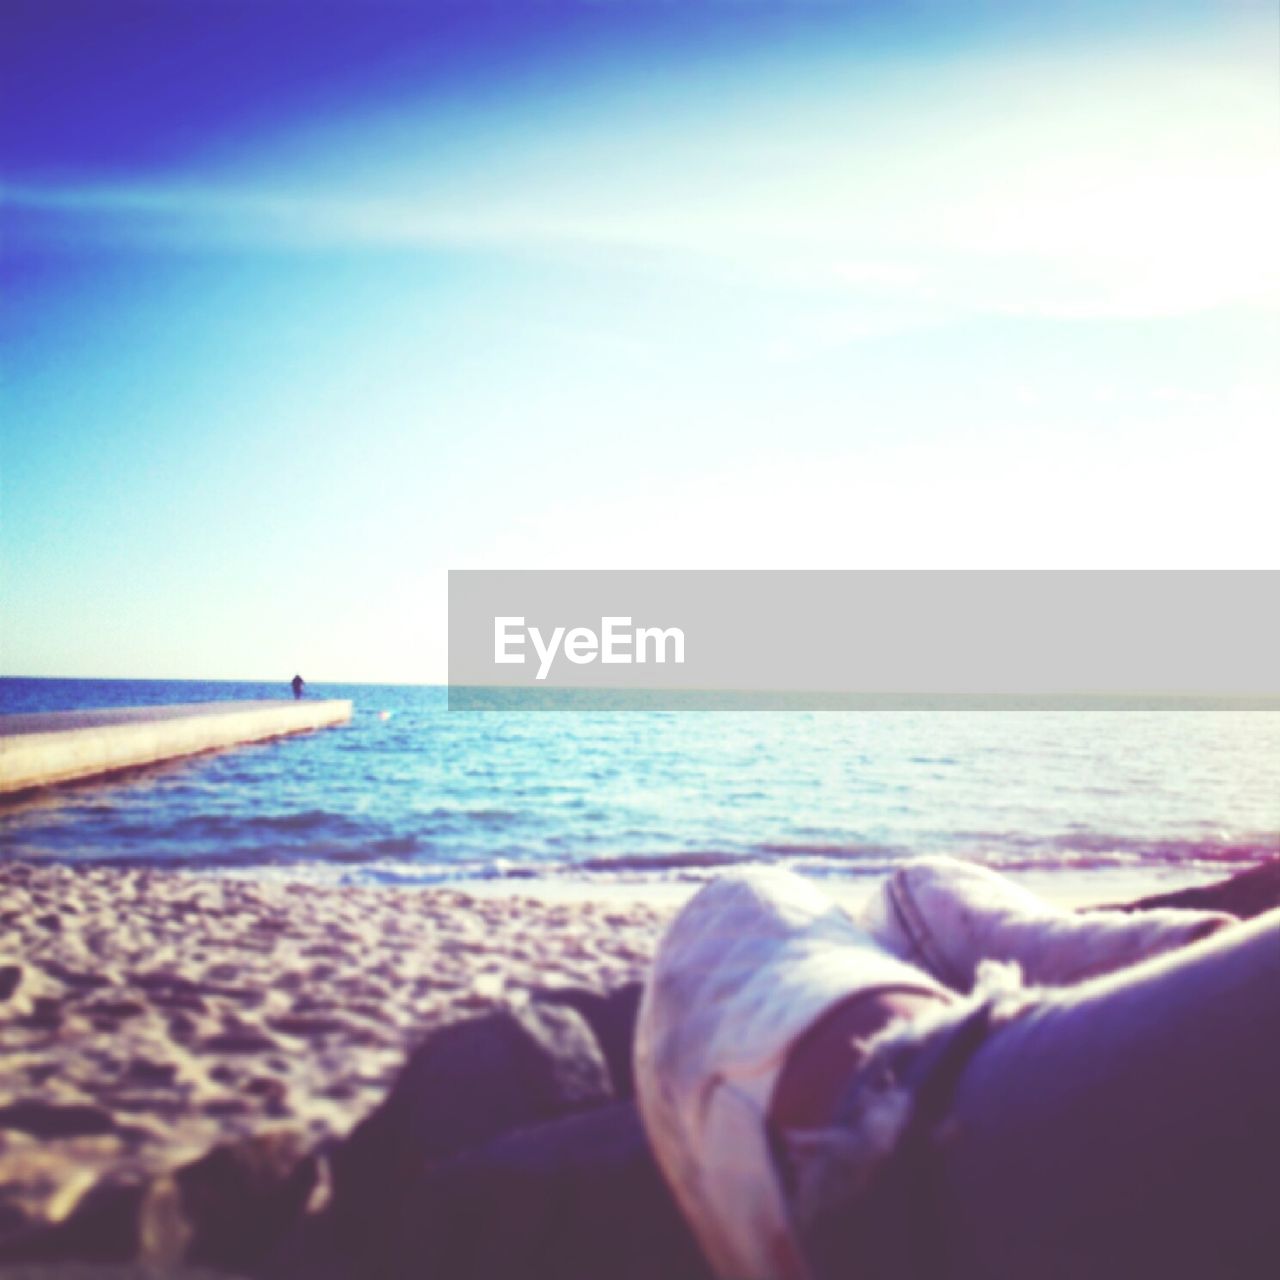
(146, 1015)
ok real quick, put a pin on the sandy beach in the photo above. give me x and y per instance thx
(147, 1015)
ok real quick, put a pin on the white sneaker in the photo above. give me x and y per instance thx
(948, 916)
(753, 961)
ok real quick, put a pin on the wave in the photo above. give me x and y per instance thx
(842, 852)
(1086, 850)
(413, 856)
(678, 861)
(1073, 852)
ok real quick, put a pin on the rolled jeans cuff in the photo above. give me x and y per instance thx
(859, 1188)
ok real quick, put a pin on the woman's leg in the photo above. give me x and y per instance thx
(1129, 1127)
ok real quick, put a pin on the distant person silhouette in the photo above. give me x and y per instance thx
(297, 682)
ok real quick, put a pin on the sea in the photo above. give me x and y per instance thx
(412, 793)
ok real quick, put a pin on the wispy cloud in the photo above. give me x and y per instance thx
(167, 214)
(1035, 187)
(1161, 252)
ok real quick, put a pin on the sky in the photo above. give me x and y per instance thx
(304, 304)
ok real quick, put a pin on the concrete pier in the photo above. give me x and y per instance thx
(58, 746)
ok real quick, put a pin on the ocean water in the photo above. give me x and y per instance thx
(412, 793)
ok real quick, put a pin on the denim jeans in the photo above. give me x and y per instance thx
(1124, 1128)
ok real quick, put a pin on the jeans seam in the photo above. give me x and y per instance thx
(914, 926)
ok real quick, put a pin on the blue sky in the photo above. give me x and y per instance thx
(304, 304)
